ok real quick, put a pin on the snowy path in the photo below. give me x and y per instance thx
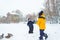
(20, 31)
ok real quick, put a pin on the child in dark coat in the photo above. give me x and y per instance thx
(30, 25)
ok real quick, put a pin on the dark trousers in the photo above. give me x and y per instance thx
(42, 34)
(30, 25)
(31, 29)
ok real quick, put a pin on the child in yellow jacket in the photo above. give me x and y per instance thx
(42, 25)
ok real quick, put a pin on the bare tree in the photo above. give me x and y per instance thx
(51, 10)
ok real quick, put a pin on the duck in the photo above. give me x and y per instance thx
(9, 35)
(2, 36)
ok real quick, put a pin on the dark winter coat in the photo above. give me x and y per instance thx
(30, 23)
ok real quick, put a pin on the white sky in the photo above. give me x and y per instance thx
(26, 6)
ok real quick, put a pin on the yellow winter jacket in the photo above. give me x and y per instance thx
(41, 23)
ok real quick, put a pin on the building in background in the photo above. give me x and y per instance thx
(12, 17)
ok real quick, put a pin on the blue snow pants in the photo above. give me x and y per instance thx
(30, 25)
(42, 34)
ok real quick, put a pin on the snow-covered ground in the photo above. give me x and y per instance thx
(20, 31)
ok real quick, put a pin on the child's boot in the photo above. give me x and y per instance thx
(46, 36)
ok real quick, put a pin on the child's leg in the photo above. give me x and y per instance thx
(45, 35)
(41, 34)
(30, 29)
